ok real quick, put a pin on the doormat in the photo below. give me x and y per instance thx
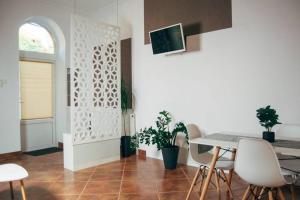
(43, 151)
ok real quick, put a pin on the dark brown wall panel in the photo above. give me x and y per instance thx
(197, 16)
(126, 61)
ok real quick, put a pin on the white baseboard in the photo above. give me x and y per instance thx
(87, 155)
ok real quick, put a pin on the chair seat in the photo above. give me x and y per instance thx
(12, 172)
(225, 164)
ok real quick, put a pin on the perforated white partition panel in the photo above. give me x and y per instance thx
(95, 81)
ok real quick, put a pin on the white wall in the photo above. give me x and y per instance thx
(237, 70)
(13, 13)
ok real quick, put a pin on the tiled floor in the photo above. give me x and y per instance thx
(127, 179)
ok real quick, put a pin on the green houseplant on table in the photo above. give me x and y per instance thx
(268, 118)
(164, 139)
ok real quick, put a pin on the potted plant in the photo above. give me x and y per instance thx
(164, 139)
(126, 149)
(268, 118)
(134, 142)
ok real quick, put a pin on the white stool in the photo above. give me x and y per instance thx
(13, 172)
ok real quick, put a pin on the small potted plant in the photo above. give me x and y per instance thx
(164, 139)
(268, 118)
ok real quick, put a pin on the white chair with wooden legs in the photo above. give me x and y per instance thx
(201, 155)
(257, 164)
(13, 172)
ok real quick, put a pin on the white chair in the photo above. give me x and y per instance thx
(257, 164)
(201, 155)
(13, 172)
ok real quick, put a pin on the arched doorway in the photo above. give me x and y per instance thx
(39, 56)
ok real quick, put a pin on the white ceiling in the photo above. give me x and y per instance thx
(87, 5)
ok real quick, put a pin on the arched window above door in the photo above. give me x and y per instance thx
(37, 67)
(35, 38)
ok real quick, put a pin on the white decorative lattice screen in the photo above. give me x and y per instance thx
(95, 81)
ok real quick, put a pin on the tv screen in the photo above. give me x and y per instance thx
(167, 40)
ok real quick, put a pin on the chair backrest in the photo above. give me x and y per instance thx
(288, 131)
(257, 164)
(199, 153)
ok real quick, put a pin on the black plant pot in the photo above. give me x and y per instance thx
(125, 146)
(170, 156)
(269, 136)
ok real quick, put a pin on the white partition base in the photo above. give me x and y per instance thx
(87, 155)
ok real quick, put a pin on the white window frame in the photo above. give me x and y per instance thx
(41, 57)
(47, 58)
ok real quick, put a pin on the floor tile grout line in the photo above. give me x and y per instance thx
(187, 177)
(86, 184)
(122, 179)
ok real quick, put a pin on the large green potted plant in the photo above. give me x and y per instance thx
(164, 138)
(268, 118)
(126, 149)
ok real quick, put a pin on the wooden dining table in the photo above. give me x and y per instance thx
(228, 140)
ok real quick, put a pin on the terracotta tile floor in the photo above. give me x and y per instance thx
(127, 179)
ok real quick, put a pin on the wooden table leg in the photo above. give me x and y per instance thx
(11, 189)
(23, 190)
(210, 172)
(193, 183)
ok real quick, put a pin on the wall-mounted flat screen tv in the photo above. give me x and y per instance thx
(167, 40)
